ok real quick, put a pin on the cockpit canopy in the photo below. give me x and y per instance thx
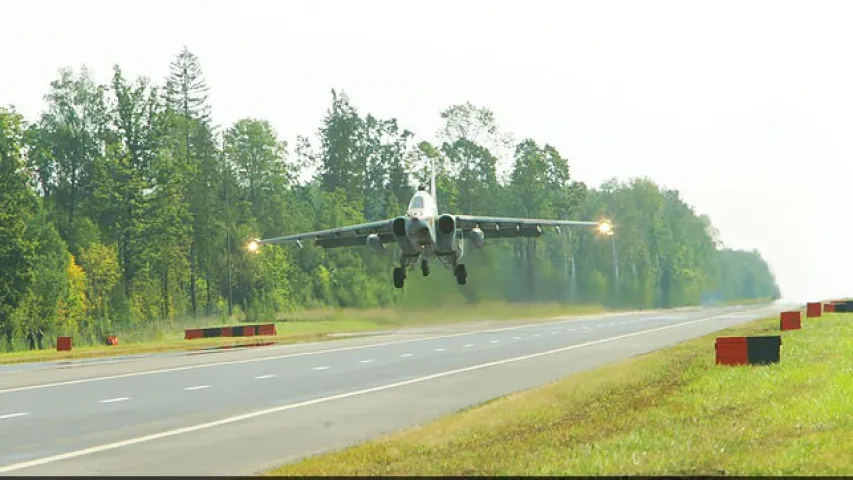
(422, 204)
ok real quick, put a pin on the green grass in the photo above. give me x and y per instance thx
(670, 412)
(315, 325)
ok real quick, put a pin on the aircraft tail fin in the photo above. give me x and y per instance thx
(432, 180)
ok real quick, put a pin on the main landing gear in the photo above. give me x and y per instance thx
(406, 263)
(399, 277)
(461, 274)
(400, 273)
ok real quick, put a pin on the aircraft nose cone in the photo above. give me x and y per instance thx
(418, 228)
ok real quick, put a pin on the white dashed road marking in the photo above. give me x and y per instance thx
(367, 361)
(197, 387)
(406, 355)
(13, 415)
(261, 377)
(494, 341)
(468, 345)
(113, 400)
(440, 349)
(324, 367)
(517, 338)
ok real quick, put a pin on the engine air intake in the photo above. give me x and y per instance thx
(399, 227)
(446, 224)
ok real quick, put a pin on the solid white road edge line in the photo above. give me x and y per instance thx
(259, 413)
(319, 352)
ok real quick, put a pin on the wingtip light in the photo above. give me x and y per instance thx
(253, 246)
(605, 228)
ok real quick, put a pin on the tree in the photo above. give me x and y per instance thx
(477, 125)
(340, 165)
(259, 162)
(68, 141)
(186, 100)
(17, 206)
(532, 198)
(41, 309)
(127, 181)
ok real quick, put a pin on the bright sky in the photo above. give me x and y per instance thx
(744, 106)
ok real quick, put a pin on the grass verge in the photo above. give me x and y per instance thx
(670, 412)
(316, 325)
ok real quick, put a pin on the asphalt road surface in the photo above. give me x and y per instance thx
(237, 412)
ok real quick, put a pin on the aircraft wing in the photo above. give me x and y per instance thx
(349, 236)
(502, 227)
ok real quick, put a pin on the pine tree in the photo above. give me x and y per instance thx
(187, 100)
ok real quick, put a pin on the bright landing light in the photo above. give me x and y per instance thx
(605, 228)
(253, 246)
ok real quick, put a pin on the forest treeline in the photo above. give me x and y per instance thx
(123, 207)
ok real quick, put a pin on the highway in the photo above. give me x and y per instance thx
(237, 412)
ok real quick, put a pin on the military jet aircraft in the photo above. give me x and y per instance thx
(424, 234)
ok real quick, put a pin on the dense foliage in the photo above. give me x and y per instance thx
(123, 208)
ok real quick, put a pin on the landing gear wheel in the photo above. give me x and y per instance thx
(425, 268)
(461, 275)
(399, 277)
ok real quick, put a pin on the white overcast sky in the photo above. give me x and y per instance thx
(743, 106)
